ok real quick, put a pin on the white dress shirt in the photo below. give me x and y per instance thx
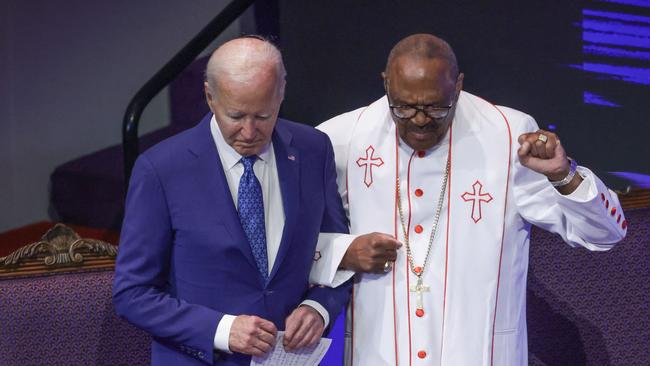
(266, 171)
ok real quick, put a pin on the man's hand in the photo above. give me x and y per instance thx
(251, 335)
(370, 252)
(548, 158)
(304, 327)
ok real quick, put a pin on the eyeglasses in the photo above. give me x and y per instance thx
(407, 111)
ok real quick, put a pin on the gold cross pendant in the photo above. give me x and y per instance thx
(419, 288)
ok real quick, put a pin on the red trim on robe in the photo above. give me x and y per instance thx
(503, 232)
(408, 231)
(444, 298)
(395, 208)
(347, 198)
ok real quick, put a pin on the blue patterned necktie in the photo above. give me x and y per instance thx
(251, 214)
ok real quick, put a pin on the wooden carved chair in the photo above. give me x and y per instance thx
(56, 308)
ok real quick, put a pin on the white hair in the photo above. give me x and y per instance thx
(243, 60)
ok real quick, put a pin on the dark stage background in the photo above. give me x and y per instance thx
(581, 68)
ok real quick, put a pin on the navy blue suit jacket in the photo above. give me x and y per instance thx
(184, 259)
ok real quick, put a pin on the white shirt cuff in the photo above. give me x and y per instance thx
(587, 189)
(331, 248)
(320, 309)
(222, 336)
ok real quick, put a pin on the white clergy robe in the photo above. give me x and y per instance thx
(474, 312)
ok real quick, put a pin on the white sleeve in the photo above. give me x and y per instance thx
(222, 335)
(590, 217)
(320, 309)
(330, 249)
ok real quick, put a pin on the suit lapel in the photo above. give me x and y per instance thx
(211, 174)
(287, 161)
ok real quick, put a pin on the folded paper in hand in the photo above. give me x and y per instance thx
(307, 356)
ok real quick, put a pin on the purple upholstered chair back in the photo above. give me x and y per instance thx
(66, 319)
(587, 308)
(56, 306)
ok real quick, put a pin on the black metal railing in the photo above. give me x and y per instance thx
(166, 74)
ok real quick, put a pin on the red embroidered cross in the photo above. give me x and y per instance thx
(476, 197)
(368, 162)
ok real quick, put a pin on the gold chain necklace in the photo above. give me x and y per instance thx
(420, 288)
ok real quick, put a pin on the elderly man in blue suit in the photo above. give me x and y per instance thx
(222, 222)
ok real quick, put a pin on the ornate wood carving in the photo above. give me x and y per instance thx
(635, 198)
(60, 247)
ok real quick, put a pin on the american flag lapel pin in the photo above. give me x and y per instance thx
(292, 158)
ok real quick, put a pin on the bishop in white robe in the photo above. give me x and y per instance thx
(465, 207)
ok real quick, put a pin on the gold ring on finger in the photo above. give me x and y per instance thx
(542, 138)
(387, 266)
